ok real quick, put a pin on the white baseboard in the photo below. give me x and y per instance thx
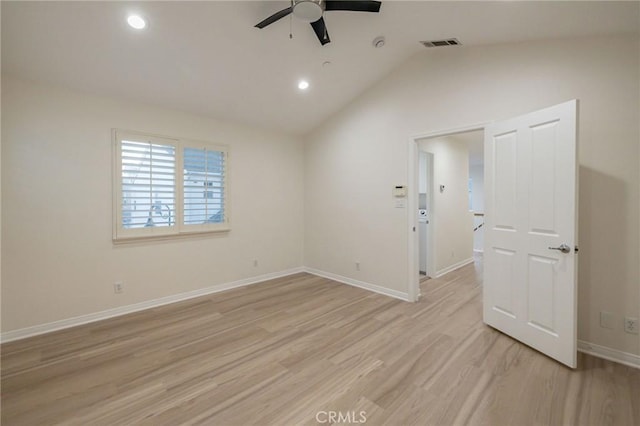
(123, 310)
(453, 267)
(599, 351)
(604, 352)
(360, 284)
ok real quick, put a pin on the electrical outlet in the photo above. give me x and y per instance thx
(118, 287)
(607, 320)
(631, 325)
(357, 266)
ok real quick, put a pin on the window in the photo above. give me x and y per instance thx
(167, 186)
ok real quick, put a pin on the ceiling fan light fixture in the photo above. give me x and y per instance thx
(307, 10)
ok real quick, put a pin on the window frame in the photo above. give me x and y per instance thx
(179, 229)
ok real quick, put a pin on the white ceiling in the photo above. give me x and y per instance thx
(207, 58)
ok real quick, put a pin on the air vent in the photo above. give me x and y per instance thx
(439, 43)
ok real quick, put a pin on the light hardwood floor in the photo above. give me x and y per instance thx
(281, 352)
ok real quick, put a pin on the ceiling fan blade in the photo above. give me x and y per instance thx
(355, 5)
(273, 18)
(321, 31)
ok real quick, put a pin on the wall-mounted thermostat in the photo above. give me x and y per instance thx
(399, 191)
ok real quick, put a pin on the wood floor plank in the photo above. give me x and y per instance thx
(287, 350)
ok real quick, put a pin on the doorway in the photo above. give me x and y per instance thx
(530, 259)
(441, 202)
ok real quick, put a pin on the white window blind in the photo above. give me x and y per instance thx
(148, 184)
(204, 183)
(168, 186)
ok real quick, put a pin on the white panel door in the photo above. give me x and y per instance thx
(530, 260)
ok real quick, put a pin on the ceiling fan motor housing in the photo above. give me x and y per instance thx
(307, 10)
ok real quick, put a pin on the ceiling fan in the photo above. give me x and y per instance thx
(312, 10)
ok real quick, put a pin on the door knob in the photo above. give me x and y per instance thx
(563, 248)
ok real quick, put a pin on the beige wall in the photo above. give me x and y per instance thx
(59, 261)
(354, 159)
(452, 220)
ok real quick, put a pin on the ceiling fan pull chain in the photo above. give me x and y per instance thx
(290, 27)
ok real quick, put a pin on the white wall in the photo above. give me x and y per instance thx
(452, 220)
(59, 261)
(354, 159)
(476, 173)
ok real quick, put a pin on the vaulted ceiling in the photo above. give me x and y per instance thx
(207, 57)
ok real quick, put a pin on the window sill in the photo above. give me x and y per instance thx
(219, 232)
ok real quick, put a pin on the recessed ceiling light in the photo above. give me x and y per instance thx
(303, 85)
(136, 21)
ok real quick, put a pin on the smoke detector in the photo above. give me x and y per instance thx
(378, 42)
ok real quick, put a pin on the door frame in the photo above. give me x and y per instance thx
(413, 264)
